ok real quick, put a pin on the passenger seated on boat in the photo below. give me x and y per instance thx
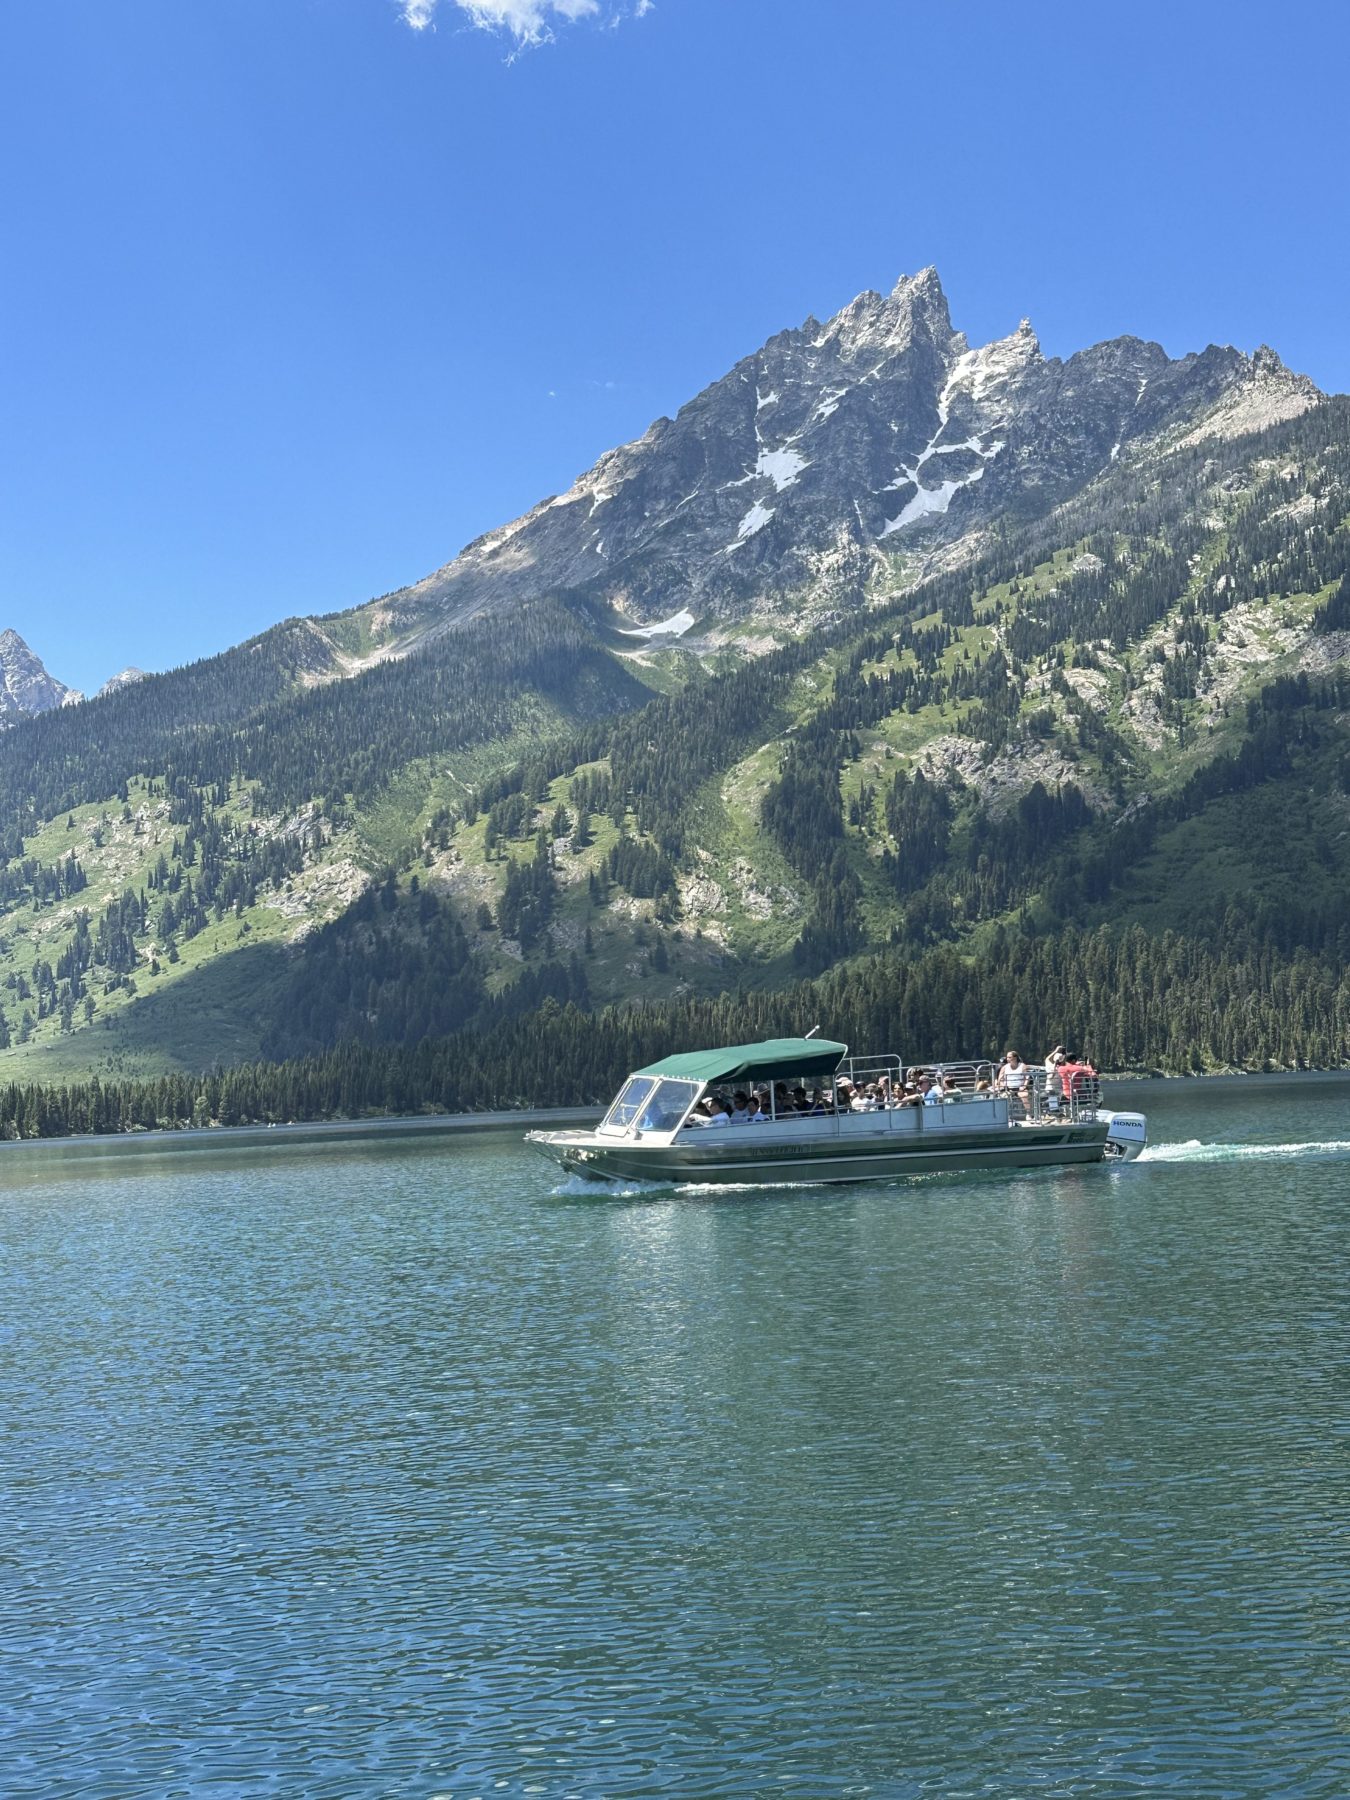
(756, 1112)
(721, 1112)
(817, 1105)
(867, 1100)
(950, 1091)
(740, 1110)
(800, 1102)
(1013, 1077)
(931, 1092)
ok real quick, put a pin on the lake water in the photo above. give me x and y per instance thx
(404, 1469)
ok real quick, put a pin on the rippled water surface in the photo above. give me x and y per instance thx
(398, 1469)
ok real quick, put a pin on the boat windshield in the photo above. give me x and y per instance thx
(650, 1103)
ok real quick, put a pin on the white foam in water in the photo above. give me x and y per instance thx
(575, 1186)
(578, 1187)
(1194, 1151)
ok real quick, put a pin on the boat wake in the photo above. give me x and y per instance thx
(577, 1187)
(1193, 1151)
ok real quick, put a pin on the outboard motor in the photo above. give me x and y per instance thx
(1126, 1135)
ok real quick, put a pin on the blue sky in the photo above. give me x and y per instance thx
(301, 295)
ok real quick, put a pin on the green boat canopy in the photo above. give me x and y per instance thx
(776, 1059)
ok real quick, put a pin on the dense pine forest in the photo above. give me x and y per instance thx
(1127, 1000)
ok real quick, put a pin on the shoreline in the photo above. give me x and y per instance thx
(399, 1125)
(431, 1125)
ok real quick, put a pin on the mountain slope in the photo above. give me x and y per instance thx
(1093, 676)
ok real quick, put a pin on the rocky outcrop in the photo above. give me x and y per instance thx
(25, 686)
(115, 683)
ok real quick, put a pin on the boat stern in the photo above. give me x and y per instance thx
(1126, 1135)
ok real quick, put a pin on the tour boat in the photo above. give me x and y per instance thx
(656, 1130)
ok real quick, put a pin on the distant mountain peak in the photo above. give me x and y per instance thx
(127, 677)
(836, 443)
(25, 686)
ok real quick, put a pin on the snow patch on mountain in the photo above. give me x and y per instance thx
(755, 520)
(675, 626)
(781, 466)
(929, 500)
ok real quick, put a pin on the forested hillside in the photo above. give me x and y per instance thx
(1116, 729)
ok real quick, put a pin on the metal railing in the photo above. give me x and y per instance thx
(1047, 1103)
(880, 1083)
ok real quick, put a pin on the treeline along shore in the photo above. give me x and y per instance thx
(1128, 1000)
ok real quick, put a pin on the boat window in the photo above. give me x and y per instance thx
(650, 1104)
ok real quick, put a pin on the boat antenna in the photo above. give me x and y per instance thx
(814, 1029)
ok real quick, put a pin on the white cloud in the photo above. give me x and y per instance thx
(527, 21)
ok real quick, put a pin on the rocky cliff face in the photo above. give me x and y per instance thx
(25, 686)
(834, 444)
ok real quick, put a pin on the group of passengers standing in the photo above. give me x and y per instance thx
(1065, 1078)
(921, 1087)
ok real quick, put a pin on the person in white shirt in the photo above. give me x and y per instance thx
(1013, 1077)
(740, 1114)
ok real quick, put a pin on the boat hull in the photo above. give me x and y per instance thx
(886, 1156)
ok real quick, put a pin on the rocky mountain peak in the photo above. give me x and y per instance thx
(835, 444)
(127, 677)
(25, 686)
